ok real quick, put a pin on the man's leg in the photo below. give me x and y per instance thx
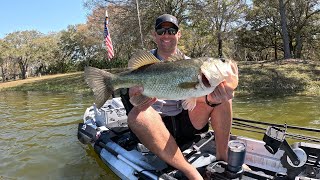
(221, 119)
(151, 131)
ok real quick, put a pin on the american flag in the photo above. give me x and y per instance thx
(108, 38)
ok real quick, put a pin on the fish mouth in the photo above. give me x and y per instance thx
(205, 81)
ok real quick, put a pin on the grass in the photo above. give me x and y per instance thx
(73, 82)
(279, 79)
(258, 79)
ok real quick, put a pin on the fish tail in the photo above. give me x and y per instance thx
(100, 82)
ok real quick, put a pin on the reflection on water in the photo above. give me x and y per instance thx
(38, 137)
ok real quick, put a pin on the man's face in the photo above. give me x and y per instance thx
(167, 42)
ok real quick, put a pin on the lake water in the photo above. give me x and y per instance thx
(38, 137)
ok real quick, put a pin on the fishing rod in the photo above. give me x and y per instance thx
(289, 135)
(277, 125)
(257, 129)
(241, 124)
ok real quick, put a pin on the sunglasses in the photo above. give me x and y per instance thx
(170, 31)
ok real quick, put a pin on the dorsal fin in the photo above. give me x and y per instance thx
(176, 57)
(141, 58)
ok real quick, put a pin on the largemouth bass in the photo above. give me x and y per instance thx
(176, 79)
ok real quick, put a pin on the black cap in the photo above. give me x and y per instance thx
(166, 18)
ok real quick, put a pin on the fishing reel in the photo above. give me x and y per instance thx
(275, 139)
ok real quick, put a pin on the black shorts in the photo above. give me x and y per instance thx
(181, 128)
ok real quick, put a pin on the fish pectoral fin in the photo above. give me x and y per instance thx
(189, 104)
(188, 85)
(139, 100)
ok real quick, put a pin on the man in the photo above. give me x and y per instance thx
(151, 127)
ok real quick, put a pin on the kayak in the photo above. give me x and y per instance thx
(106, 130)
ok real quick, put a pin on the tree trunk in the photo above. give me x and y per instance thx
(23, 67)
(285, 36)
(220, 45)
(275, 44)
(3, 74)
(23, 71)
(298, 47)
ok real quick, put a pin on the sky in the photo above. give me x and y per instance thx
(41, 15)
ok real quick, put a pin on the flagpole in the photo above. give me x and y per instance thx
(108, 41)
(141, 36)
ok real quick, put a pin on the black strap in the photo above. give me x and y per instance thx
(211, 104)
(124, 94)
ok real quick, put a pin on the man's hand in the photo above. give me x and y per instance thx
(221, 93)
(137, 91)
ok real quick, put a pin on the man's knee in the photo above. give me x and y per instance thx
(140, 118)
(199, 123)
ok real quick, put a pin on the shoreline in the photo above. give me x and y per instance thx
(19, 82)
(255, 79)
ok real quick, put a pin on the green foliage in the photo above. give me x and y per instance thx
(262, 33)
(104, 64)
(23, 48)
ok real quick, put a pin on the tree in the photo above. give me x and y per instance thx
(46, 50)
(23, 48)
(3, 59)
(303, 16)
(68, 50)
(260, 33)
(223, 17)
(263, 22)
(285, 36)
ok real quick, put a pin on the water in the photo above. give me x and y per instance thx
(38, 137)
(295, 111)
